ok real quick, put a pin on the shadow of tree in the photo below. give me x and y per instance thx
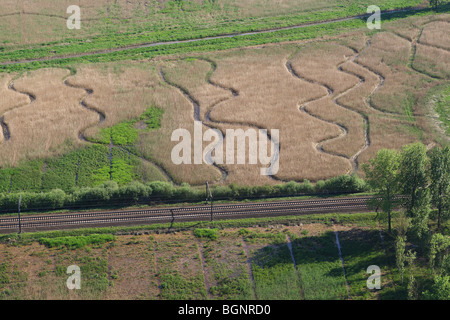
(318, 273)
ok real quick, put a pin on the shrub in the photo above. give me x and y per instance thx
(320, 186)
(185, 192)
(221, 192)
(440, 289)
(87, 195)
(162, 189)
(343, 183)
(306, 187)
(265, 190)
(290, 188)
(54, 199)
(111, 186)
(133, 191)
(212, 234)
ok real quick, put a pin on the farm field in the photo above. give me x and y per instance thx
(336, 101)
(275, 260)
(259, 128)
(118, 22)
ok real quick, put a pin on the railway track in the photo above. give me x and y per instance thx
(181, 214)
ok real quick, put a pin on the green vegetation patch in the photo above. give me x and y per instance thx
(119, 169)
(12, 281)
(232, 284)
(319, 266)
(126, 133)
(152, 118)
(263, 237)
(361, 249)
(86, 167)
(77, 241)
(5, 180)
(443, 108)
(275, 275)
(122, 134)
(94, 273)
(439, 98)
(226, 268)
(175, 286)
(4, 277)
(212, 234)
(27, 176)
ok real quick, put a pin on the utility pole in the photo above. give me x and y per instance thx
(20, 224)
(211, 197)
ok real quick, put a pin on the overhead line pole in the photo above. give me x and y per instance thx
(20, 224)
(211, 196)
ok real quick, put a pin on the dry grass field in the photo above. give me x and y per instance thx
(434, 33)
(28, 22)
(209, 95)
(276, 94)
(336, 102)
(123, 92)
(48, 119)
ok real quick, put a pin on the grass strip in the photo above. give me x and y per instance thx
(308, 32)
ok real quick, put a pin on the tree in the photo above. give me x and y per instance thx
(440, 289)
(439, 173)
(400, 254)
(412, 284)
(413, 175)
(403, 224)
(439, 253)
(381, 175)
(436, 3)
(419, 223)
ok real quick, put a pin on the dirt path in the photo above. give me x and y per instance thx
(289, 244)
(338, 245)
(250, 269)
(204, 269)
(23, 13)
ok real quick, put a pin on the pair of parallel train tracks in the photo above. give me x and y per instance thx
(182, 214)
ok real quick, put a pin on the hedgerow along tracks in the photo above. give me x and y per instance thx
(182, 214)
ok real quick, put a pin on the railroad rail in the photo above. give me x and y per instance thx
(181, 214)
